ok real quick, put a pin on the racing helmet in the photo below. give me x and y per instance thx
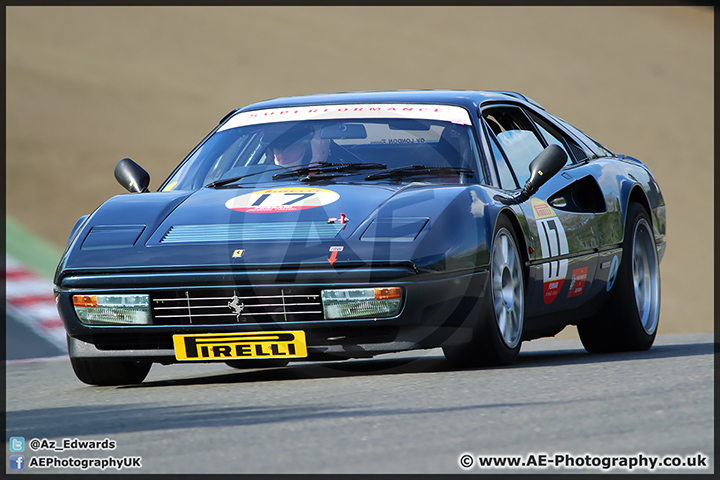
(296, 135)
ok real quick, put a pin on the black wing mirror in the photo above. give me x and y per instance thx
(543, 168)
(132, 176)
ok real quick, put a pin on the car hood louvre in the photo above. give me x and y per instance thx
(251, 232)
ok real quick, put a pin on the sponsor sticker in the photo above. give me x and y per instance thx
(541, 209)
(228, 346)
(553, 243)
(334, 253)
(447, 113)
(278, 200)
(612, 275)
(577, 282)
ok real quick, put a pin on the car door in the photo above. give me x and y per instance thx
(562, 233)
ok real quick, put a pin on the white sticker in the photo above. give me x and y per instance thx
(447, 113)
(278, 200)
(553, 243)
(612, 275)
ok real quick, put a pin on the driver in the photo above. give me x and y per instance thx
(293, 147)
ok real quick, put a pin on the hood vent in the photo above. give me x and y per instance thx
(249, 232)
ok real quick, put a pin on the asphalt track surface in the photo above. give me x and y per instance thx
(402, 413)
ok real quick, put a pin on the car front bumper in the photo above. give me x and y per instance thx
(438, 309)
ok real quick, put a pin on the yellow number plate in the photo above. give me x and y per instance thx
(228, 346)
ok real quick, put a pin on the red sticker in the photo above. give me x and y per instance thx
(577, 282)
(334, 253)
(551, 290)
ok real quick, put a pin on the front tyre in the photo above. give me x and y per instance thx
(629, 319)
(108, 372)
(497, 338)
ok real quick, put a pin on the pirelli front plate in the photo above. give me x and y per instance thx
(229, 346)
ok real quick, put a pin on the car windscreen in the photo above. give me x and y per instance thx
(337, 149)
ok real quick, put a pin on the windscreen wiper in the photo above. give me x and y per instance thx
(419, 170)
(325, 170)
(226, 181)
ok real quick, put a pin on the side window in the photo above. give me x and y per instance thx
(585, 140)
(552, 135)
(507, 179)
(516, 137)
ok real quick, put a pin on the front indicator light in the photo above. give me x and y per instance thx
(113, 309)
(85, 300)
(361, 302)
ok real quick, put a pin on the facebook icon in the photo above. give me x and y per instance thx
(17, 462)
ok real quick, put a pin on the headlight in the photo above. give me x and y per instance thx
(361, 302)
(113, 309)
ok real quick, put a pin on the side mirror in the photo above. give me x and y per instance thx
(132, 176)
(543, 168)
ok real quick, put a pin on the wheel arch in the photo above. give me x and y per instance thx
(512, 217)
(630, 189)
(636, 195)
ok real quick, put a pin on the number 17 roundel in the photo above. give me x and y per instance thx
(553, 242)
(277, 200)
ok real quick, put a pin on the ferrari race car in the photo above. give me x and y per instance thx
(338, 226)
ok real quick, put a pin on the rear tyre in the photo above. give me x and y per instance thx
(497, 337)
(629, 319)
(107, 372)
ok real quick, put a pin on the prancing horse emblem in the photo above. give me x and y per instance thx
(236, 305)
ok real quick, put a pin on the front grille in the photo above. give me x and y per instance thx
(226, 306)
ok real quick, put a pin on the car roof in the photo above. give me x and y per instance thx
(469, 99)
